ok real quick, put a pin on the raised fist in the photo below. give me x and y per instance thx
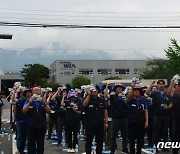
(153, 82)
(30, 101)
(108, 84)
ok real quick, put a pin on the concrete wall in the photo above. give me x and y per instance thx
(57, 68)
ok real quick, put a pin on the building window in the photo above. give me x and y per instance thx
(52, 73)
(104, 71)
(86, 71)
(67, 72)
(72, 72)
(122, 71)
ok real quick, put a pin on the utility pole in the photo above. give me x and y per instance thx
(6, 36)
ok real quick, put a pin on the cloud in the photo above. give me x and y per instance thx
(44, 45)
(15, 60)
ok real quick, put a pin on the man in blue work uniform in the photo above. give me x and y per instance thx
(119, 115)
(137, 118)
(161, 104)
(53, 120)
(174, 93)
(149, 130)
(107, 132)
(73, 113)
(21, 119)
(96, 118)
(36, 109)
(61, 113)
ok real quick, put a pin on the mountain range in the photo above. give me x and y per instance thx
(14, 60)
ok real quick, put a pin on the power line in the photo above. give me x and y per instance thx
(73, 11)
(79, 25)
(97, 16)
(89, 20)
(39, 25)
(122, 30)
(133, 30)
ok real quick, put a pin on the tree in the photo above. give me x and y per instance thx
(162, 68)
(157, 69)
(68, 85)
(35, 74)
(113, 78)
(173, 55)
(78, 81)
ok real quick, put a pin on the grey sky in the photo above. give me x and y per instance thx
(59, 43)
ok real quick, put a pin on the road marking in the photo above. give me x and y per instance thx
(148, 152)
(6, 120)
(91, 153)
(14, 149)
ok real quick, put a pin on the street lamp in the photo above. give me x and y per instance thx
(6, 36)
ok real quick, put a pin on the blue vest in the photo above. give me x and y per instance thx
(118, 106)
(36, 117)
(136, 110)
(20, 116)
(94, 112)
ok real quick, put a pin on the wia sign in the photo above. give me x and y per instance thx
(69, 65)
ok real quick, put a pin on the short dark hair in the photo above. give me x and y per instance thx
(154, 86)
(19, 93)
(159, 81)
(166, 86)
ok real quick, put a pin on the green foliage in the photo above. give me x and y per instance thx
(156, 69)
(78, 81)
(68, 85)
(35, 74)
(40, 81)
(113, 78)
(173, 55)
(164, 69)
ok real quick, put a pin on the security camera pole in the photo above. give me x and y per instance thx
(6, 36)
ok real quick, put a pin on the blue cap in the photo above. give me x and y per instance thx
(119, 85)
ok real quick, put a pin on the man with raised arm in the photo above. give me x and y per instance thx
(119, 115)
(161, 106)
(96, 118)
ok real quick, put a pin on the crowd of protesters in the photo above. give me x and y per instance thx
(135, 111)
